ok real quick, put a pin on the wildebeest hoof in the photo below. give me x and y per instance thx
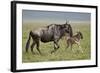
(52, 52)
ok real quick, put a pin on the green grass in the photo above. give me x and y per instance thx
(62, 53)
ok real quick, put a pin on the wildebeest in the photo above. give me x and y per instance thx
(75, 40)
(52, 32)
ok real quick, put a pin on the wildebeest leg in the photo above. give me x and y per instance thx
(78, 43)
(37, 46)
(32, 46)
(68, 44)
(80, 49)
(72, 48)
(56, 46)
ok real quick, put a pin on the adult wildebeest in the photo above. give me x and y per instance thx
(52, 32)
(75, 39)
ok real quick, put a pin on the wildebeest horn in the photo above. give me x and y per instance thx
(67, 21)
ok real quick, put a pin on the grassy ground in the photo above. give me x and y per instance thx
(62, 53)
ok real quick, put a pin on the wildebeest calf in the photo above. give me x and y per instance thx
(75, 39)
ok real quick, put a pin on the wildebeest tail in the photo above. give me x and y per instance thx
(28, 41)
